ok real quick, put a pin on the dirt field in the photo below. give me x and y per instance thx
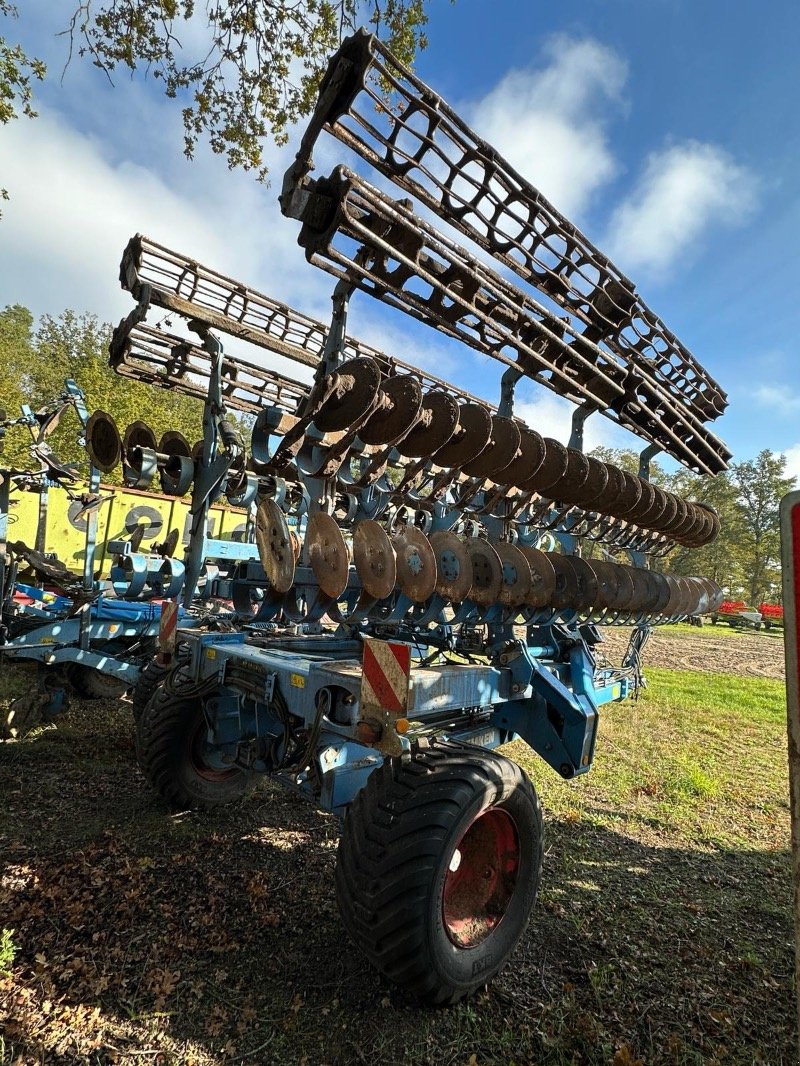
(716, 649)
(662, 934)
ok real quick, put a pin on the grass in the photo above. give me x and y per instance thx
(662, 934)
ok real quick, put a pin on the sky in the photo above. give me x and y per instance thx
(666, 129)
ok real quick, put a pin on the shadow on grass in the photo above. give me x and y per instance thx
(216, 939)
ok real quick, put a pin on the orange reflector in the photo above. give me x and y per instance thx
(401, 725)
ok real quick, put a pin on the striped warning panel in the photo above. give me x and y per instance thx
(385, 671)
(168, 625)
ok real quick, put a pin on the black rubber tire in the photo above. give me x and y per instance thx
(91, 684)
(21, 716)
(399, 837)
(149, 679)
(164, 750)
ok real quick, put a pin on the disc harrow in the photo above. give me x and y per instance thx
(429, 574)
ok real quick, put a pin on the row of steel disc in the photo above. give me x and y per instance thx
(394, 411)
(460, 569)
(171, 457)
(462, 436)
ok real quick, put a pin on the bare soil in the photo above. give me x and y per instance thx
(709, 649)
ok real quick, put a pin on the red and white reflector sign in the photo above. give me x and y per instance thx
(385, 672)
(168, 627)
(790, 566)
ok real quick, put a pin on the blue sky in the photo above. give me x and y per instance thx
(666, 129)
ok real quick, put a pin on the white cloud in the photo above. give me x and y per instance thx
(779, 399)
(793, 462)
(550, 122)
(551, 415)
(683, 191)
(72, 210)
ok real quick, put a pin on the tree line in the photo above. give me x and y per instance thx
(745, 559)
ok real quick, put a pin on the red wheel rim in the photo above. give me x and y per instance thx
(197, 753)
(481, 878)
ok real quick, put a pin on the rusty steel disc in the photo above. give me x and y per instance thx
(103, 442)
(688, 596)
(608, 582)
(595, 485)
(391, 423)
(711, 531)
(170, 544)
(138, 435)
(568, 488)
(327, 554)
(663, 593)
(297, 545)
(356, 384)
(471, 437)
(696, 527)
(676, 595)
(699, 598)
(622, 598)
(416, 564)
(543, 577)
(703, 596)
(453, 566)
(566, 591)
(717, 595)
(274, 545)
(586, 582)
(629, 496)
(517, 578)
(487, 572)
(669, 514)
(438, 421)
(683, 520)
(498, 453)
(664, 512)
(374, 558)
(174, 443)
(611, 492)
(553, 468)
(642, 589)
(647, 507)
(654, 591)
(529, 458)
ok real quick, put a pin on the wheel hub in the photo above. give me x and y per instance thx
(481, 877)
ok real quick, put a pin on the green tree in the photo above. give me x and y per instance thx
(16, 71)
(252, 69)
(76, 346)
(16, 340)
(761, 484)
(722, 561)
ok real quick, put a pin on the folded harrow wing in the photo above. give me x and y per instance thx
(430, 575)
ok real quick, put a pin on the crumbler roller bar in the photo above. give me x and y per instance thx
(380, 109)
